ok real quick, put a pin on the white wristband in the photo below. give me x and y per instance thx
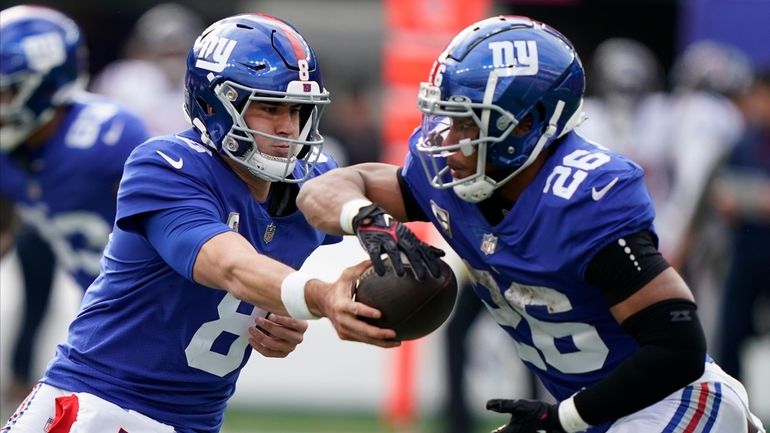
(570, 419)
(349, 211)
(293, 296)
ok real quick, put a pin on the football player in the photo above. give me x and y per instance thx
(556, 231)
(61, 157)
(201, 260)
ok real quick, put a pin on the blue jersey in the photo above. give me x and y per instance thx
(148, 337)
(529, 268)
(67, 187)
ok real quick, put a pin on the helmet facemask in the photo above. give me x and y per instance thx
(17, 121)
(437, 117)
(499, 72)
(256, 59)
(240, 144)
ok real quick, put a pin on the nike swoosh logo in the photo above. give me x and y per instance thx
(176, 163)
(598, 194)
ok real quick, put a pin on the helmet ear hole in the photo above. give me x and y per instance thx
(524, 126)
(208, 109)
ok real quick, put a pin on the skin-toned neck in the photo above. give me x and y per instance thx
(39, 137)
(260, 189)
(513, 189)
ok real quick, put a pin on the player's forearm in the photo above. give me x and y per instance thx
(671, 354)
(258, 281)
(227, 261)
(322, 198)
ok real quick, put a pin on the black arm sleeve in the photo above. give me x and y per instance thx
(625, 266)
(413, 210)
(672, 353)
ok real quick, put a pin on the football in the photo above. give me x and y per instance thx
(411, 307)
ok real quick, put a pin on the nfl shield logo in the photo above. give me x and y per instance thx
(306, 87)
(489, 243)
(269, 233)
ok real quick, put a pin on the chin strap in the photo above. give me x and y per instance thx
(204, 133)
(482, 188)
(577, 118)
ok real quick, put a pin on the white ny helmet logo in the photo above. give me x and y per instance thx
(213, 52)
(519, 57)
(44, 51)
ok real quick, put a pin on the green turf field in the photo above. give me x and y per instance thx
(239, 420)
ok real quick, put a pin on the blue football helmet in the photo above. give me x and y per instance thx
(497, 72)
(247, 58)
(43, 63)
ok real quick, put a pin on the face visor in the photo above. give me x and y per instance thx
(438, 117)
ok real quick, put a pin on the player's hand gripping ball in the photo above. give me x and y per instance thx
(411, 307)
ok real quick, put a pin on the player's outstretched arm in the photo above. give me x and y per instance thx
(228, 261)
(366, 200)
(321, 199)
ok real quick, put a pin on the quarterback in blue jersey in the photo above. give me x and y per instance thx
(201, 263)
(556, 232)
(61, 157)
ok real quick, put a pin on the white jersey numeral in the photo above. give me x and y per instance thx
(198, 352)
(57, 231)
(231, 321)
(510, 310)
(84, 131)
(565, 179)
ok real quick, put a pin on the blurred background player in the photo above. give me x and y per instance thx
(541, 216)
(701, 125)
(61, 160)
(740, 194)
(624, 75)
(154, 61)
(201, 262)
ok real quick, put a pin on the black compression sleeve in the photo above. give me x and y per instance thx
(671, 354)
(413, 210)
(625, 266)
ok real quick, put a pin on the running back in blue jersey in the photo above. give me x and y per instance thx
(148, 337)
(529, 269)
(68, 188)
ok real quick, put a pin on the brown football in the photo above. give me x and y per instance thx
(411, 307)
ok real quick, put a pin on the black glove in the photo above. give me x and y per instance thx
(527, 416)
(380, 233)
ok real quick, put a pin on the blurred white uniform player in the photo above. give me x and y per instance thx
(679, 138)
(702, 124)
(625, 78)
(150, 79)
